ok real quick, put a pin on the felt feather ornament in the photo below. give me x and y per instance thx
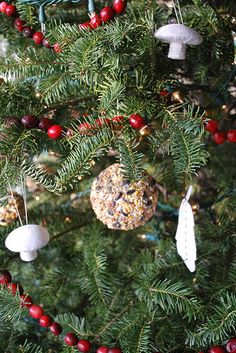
(185, 238)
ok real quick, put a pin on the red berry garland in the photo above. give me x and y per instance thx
(119, 6)
(231, 345)
(38, 37)
(216, 349)
(71, 339)
(136, 121)
(231, 136)
(54, 132)
(56, 328)
(5, 277)
(36, 312)
(45, 321)
(3, 6)
(84, 346)
(106, 14)
(102, 350)
(15, 288)
(10, 10)
(219, 137)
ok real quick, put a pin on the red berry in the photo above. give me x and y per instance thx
(19, 24)
(45, 321)
(3, 6)
(85, 25)
(71, 339)
(5, 277)
(54, 132)
(45, 124)
(231, 345)
(119, 6)
(118, 119)
(102, 349)
(15, 288)
(29, 121)
(114, 350)
(35, 311)
(38, 37)
(28, 32)
(136, 121)
(211, 126)
(85, 126)
(216, 349)
(102, 121)
(26, 300)
(46, 43)
(56, 328)
(95, 21)
(57, 48)
(164, 93)
(10, 10)
(231, 136)
(69, 133)
(219, 137)
(84, 346)
(107, 13)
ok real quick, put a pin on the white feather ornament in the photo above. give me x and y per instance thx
(185, 237)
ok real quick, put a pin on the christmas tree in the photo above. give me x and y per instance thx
(102, 134)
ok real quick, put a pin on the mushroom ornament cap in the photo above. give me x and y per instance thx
(27, 240)
(178, 35)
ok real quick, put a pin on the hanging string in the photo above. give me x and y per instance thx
(23, 185)
(17, 211)
(178, 13)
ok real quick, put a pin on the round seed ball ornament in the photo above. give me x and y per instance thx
(121, 204)
(9, 211)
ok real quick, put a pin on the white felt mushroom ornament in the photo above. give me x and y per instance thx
(178, 35)
(27, 240)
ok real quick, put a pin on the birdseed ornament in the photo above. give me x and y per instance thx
(121, 204)
(10, 212)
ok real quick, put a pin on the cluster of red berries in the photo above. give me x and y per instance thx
(220, 136)
(20, 25)
(230, 347)
(135, 121)
(53, 131)
(106, 14)
(56, 131)
(36, 312)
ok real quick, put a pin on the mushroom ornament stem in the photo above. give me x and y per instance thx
(27, 240)
(177, 51)
(178, 35)
(28, 255)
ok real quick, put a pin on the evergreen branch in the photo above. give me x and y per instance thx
(72, 322)
(10, 309)
(96, 280)
(172, 298)
(81, 158)
(130, 159)
(29, 347)
(38, 174)
(219, 325)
